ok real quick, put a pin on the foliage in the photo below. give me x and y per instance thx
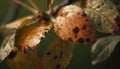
(26, 35)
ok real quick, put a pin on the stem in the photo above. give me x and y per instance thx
(34, 4)
(34, 11)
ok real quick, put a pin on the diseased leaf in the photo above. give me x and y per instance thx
(6, 47)
(7, 36)
(30, 33)
(104, 15)
(37, 61)
(20, 62)
(103, 48)
(58, 55)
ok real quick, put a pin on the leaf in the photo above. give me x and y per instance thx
(58, 55)
(103, 48)
(20, 62)
(30, 33)
(104, 15)
(37, 61)
(6, 47)
(7, 36)
(117, 3)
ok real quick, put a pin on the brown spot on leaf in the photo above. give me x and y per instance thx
(84, 27)
(75, 36)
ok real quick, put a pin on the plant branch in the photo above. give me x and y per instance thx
(13, 11)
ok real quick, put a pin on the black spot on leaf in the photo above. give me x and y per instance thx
(117, 19)
(44, 33)
(48, 53)
(76, 30)
(70, 39)
(98, 6)
(84, 15)
(41, 38)
(55, 57)
(102, 3)
(87, 39)
(58, 66)
(81, 40)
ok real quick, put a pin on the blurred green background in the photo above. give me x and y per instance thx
(82, 53)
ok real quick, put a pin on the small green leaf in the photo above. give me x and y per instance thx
(58, 55)
(104, 15)
(103, 48)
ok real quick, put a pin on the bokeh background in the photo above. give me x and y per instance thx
(82, 53)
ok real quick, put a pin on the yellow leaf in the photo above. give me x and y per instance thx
(58, 55)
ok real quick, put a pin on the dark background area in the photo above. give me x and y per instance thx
(82, 53)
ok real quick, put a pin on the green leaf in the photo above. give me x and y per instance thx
(104, 15)
(58, 55)
(103, 48)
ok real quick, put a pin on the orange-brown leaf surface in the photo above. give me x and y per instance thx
(58, 55)
(29, 34)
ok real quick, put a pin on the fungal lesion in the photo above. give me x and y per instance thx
(48, 53)
(87, 40)
(76, 30)
(70, 39)
(58, 66)
(44, 33)
(100, 5)
(81, 40)
(41, 38)
(75, 36)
